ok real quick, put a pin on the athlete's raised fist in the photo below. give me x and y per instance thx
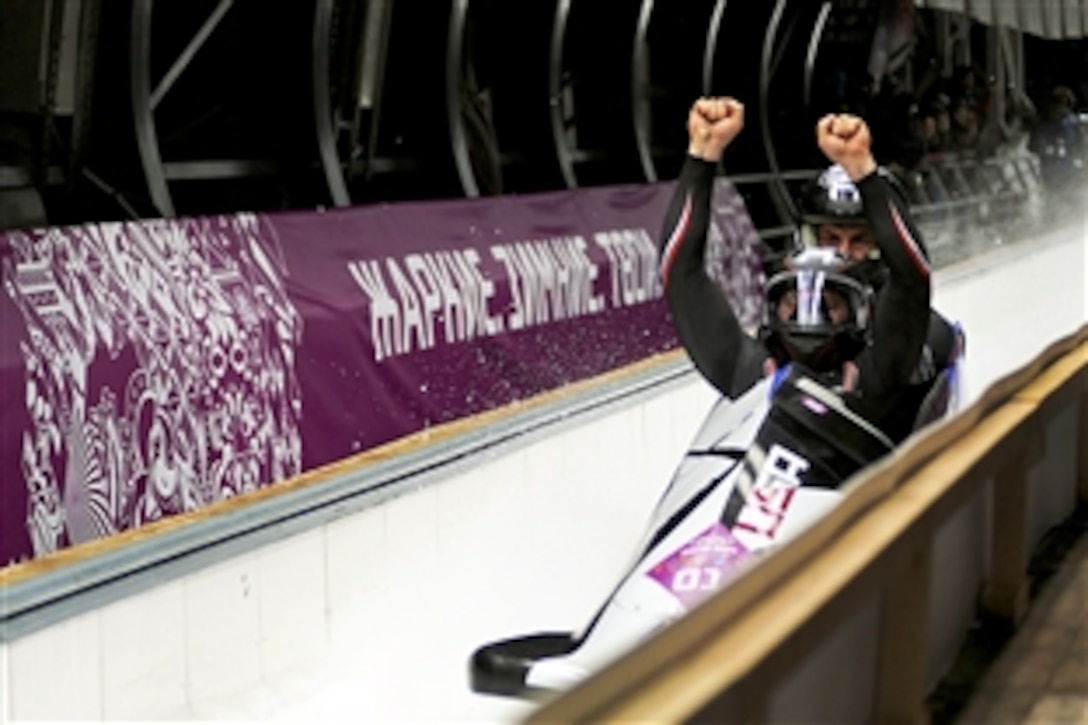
(845, 139)
(713, 123)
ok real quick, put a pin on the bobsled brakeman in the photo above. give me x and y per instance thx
(742, 488)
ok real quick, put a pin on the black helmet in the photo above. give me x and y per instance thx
(832, 198)
(815, 313)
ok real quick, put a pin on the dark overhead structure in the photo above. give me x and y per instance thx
(144, 108)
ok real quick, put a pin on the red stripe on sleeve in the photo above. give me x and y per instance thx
(672, 247)
(914, 251)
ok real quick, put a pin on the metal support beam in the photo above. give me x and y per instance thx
(556, 95)
(813, 49)
(640, 90)
(710, 50)
(147, 141)
(191, 49)
(324, 123)
(455, 116)
(379, 18)
(779, 193)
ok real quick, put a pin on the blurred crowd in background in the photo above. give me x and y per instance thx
(951, 120)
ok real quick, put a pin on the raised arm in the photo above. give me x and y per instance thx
(902, 309)
(706, 324)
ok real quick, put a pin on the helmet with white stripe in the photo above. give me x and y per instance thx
(815, 313)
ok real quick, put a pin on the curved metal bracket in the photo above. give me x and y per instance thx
(710, 50)
(780, 193)
(322, 102)
(640, 84)
(147, 142)
(813, 49)
(455, 116)
(563, 151)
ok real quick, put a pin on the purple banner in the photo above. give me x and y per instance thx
(155, 367)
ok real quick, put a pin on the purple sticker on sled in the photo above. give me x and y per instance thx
(702, 566)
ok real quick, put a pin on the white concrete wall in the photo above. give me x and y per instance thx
(1014, 301)
(373, 617)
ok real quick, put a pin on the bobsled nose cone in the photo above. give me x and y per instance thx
(501, 668)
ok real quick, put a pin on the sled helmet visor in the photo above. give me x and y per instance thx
(816, 314)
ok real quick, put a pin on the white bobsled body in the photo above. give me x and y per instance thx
(754, 477)
(691, 553)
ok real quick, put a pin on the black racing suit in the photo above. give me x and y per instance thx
(733, 361)
(928, 394)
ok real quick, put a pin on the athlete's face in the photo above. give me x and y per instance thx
(853, 241)
(838, 310)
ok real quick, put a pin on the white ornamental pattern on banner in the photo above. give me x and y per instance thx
(208, 405)
(733, 257)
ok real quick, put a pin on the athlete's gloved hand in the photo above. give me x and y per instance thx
(845, 139)
(713, 123)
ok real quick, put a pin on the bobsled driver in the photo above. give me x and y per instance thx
(842, 360)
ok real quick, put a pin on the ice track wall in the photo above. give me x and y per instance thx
(369, 608)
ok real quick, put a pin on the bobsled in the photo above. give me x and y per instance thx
(745, 485)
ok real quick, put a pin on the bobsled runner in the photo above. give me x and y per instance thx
(744, 486)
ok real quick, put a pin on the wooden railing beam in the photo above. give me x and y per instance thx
(901, 683)
(1005, 596)
(1082, 439)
